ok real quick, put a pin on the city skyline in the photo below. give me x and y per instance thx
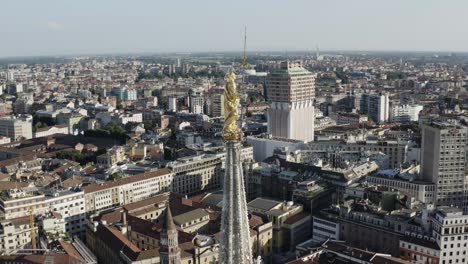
(61, 28)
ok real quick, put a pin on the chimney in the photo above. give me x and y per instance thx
(124, 223)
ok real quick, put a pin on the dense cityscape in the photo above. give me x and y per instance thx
(235, 132)
(346, 157)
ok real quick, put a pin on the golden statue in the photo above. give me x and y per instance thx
(231, 109)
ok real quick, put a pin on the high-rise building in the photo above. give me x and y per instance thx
(376, 106)
(291, 93)
(169, 250)
(443, 157)
(16, 127)
(217, 104)
(196, 102)
(172, 104)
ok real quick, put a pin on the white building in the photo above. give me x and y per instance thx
(405, 113)
(376, 106)
(70, 205)
(450, 230)
(196, 101)
(172, 104)
(129, 118)
(130, 95)
(48, 131)
(127, 190)
(16, 127)
(15, 234)
(325, 228)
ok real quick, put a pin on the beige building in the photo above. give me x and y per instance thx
(196, 174)
(443, 158)
(291, 225)
(16, 127)
(194, 221)
(15, 234)
(113, 156)
(127, 190)
(291, 93)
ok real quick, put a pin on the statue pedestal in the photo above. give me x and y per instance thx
(235, 247)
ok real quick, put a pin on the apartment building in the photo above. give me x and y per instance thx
(69, 204)
(15, 234)
(450, 230)
(127, 190)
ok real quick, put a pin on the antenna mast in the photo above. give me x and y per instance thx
(244, 56)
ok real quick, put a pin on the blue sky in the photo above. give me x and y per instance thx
(46, 27)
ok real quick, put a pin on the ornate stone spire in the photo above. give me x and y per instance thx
(235, 233)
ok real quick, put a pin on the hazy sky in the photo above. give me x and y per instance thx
(45, 27)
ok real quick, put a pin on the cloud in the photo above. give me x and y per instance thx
(54, 26)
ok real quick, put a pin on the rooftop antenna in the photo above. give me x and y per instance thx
(244, 63)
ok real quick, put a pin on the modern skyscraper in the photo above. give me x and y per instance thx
(443, 157)
(376, 106)
(169, 250)
(291, 93)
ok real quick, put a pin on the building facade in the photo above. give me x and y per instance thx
(291, 93)
(405, 113)
(16, 127)
(376, 106)
(443, 158)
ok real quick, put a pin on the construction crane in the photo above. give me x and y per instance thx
(244, 63)
(31, 224)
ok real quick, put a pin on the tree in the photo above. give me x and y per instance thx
(116, 176)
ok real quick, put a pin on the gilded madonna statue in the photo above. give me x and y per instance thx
(231, 109)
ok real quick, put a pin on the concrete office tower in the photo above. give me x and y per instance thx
(16, 127)
(169, 250)
(291, 93)
(235, 233)
(376, 106)
(172, 104)
(443, 155)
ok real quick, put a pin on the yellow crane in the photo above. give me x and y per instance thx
(31, 224)
(244, 63)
